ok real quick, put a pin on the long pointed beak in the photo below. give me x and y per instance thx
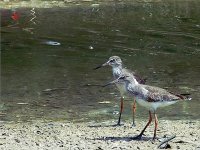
(110, 83)
(102, 65)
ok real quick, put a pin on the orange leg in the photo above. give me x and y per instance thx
(121, 110)
(141, 133)
(134, 109)
(156, 126)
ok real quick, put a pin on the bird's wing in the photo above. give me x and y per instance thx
(156, 94)
(137, 77)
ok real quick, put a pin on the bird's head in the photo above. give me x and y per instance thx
(114, 61)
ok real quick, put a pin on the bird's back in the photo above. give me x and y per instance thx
(158, 94)
(137, 77)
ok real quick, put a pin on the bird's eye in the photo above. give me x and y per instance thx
(122, 77)
(112, 60)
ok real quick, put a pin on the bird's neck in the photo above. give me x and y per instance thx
(117, 70)
(136, 89)
(134, 82)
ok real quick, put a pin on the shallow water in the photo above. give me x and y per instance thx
(46, 65)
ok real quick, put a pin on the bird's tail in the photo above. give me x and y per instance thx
(184, 96)
(140, 80)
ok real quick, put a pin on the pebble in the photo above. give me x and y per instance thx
(37, 143)
(91, 47)
(17, 140)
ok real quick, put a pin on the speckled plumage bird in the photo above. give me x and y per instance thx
(117, 69)
(150, 97)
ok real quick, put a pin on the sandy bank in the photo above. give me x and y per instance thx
(67, 135)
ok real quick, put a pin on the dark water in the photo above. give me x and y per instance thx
(159, 40)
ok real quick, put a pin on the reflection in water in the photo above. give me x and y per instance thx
(42, 81)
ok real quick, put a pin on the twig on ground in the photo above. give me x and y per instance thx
(161, 146)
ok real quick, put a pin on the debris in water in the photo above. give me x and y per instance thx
(54, 89)
(53, 43)
(15, 16)
(104, 102)
(90, 47)
(33, 15)
(95, 5)
(22, 103)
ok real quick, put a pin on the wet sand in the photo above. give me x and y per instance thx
(76, 136)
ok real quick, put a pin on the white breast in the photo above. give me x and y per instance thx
(116, 72)
(121, 86)
(152, 106)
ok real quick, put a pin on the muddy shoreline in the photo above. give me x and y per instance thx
(90, 135)
(12, 4)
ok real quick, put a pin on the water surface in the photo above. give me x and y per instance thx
(41, 80)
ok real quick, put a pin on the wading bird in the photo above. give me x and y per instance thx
(117, 69)
(150, 97)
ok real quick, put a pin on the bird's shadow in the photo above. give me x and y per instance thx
(127, 139)
(144, 138)
(100, 125)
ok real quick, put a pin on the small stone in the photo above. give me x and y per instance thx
(38, 132)
(91, 47)
(3, 134)
(17, 140)
(37, 143)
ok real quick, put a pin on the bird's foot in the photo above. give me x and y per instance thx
(133, 125)
(154, 139)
